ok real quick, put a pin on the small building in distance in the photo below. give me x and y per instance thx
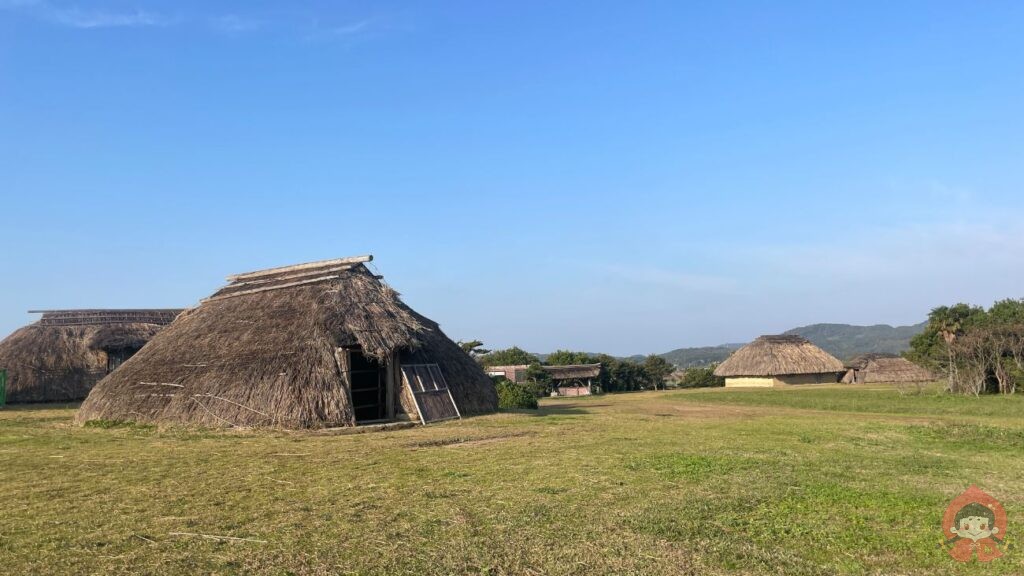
(884, 368)
(61, 356)
(779, 361)
(513, 373)
(568, 380)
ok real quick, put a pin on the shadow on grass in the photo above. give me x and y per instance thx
(40, 406)
(561, 410)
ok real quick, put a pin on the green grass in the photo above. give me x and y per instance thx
(880, 399)
(830, 480)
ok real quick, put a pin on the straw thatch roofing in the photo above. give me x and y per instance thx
(517, 373)
(62, 355)
(861, 361)
(573, 371)
(879, 370)
(261, 352)
(779, 356)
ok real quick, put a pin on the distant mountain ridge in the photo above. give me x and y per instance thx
(701, 356)
(844, 341)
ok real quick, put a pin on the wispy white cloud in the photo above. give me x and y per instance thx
(349, 29)
(235, 24)
(75, 17)
(855, 269)
(348, 32)
(298, 24)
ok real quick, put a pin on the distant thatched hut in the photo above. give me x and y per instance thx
(879, 368)
(567, 380)
(314, 345)
(574, 379)
(779, 360)
(62, 355)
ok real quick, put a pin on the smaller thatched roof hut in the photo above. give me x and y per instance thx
(62, 355)
(779, 360)
(568, 379)
(884, 368)
(579, 372)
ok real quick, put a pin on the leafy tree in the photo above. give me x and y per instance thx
(980, 350)
(628, 376)
(701, 378)
(658, 370)
(513, 356)
(567, 357)
(1007, 312)
(512, 396)
(473, 347)
(608, 363)
(539, 378)
(933, 347)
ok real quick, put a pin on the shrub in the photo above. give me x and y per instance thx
(701, 378)
(512, 396)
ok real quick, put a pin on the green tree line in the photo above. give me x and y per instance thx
(979, 350)
(617, 375)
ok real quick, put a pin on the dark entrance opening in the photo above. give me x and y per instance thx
(117, 357)
(369, 388)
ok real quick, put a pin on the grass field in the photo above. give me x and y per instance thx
(832, 480)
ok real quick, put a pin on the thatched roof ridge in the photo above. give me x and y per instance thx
(861, 361)
(563, 372)
(99, 316)
(895, 370)
(573, 371)
(778, 356)
(260, 352)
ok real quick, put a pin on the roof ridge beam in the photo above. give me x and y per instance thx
(296, 276)
(297, 267)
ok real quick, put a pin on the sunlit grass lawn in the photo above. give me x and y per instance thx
(827, 480)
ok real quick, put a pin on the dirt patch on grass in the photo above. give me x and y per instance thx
(719, 411)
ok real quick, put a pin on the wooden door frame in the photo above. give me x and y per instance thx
(388, 367)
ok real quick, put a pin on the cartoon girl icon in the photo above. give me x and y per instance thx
(974, 522)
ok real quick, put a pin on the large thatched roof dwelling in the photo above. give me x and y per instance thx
(322, 344)
(62, 355)
(884, 368)
(777, 361)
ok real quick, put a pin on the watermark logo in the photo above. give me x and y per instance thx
(974, 524)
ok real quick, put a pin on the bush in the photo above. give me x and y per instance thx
(512, 396)
(700, 378)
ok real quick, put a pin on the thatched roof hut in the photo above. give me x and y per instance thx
(779, 360)
(884, 368)
(580, 372)
(517, 373)
(62, 355)
(568, 379)
(315, 345)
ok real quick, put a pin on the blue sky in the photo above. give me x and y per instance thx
(628, 177)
